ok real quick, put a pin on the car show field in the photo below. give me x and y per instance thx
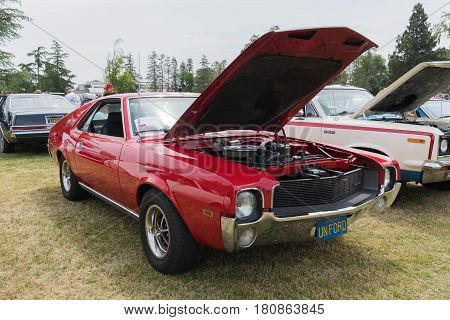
(54, 249)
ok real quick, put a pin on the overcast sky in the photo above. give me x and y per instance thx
(190, 28)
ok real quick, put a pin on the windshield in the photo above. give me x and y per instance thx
(342, 102)
(438, 108)
(41, 101)
(157, 114)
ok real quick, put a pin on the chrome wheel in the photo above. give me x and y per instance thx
(157, 232)
(66, 176)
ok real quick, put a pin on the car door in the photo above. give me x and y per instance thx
(98, 149)
(306, 125)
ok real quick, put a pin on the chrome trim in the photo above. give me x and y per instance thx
(436, 170)
(273, 192)
(271, 229)
(29, 132)
(109, 201)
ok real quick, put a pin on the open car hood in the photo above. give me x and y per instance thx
(411, 90)
(267, 83)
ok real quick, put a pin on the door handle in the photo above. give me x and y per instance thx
(79, 146)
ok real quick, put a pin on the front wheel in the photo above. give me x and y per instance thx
(5, 146)
(444, 185)
(167, 242)
(69, 183)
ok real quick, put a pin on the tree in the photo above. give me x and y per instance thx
(39, 56)
(160, 74)
(416, 44)
(11, 22)
(370, 72)
(174, 86)
(167, 72)
(17, 80)
(203, 76)
(442, 29)
(218, 67)
(342, 78)
(255, 37)
(56, 76)
(152, 72)
(129, 65)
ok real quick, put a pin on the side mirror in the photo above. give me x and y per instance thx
(301, 113)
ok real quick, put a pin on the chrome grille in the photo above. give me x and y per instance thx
(309, 192)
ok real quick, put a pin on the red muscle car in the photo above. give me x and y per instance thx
(216, 169)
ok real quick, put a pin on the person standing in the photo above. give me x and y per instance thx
(72, 97)
(109, 90)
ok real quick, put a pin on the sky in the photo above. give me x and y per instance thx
(190, 28)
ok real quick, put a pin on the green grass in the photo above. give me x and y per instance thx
(51, 248)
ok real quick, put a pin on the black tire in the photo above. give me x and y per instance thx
(5, 146)
(71, 191)
(182, 252)
(444, 185)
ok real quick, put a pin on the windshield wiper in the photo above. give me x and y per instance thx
(342, 113)
(444, 117)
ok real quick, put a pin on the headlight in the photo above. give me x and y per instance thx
(444, 146)
(248, 206)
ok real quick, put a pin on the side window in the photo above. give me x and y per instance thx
(310, 111)
(106, 119)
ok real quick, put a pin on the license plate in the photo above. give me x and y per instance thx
(327, 229)
(53, 120)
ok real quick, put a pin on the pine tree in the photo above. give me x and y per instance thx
(56, 76)
(152, 72)
(203, 76)
(167, 72)
(174, 76)
(416, 44)
(255, 37)
(39, 56)
(218, 67)
(160, 72)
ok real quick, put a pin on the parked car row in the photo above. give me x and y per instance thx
(229, 169)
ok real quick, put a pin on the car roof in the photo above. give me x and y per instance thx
(342, 87)
(155, 95)
(30, 95)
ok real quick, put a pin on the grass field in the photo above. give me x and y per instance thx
(51, 248)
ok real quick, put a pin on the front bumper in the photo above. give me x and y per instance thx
(436, 171)
(270, 229)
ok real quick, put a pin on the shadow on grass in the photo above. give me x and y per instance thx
(338, 269)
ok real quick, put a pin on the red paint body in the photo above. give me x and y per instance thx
(193, 180)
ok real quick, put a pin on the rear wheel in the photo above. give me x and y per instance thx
(69, 183)
(444, 185)
(167, 242)
(5, 146)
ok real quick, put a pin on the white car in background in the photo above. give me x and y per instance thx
(386, 124)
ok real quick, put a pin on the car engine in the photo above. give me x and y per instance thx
(260, 154)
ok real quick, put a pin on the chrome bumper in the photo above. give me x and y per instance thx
(436, 171)
(270, 229)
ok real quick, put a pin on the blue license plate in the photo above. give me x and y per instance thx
(327, 229)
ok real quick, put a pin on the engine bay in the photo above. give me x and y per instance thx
(284, 159)
(261, 154)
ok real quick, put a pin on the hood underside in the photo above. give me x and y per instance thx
(265, 85)
(411, 90)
